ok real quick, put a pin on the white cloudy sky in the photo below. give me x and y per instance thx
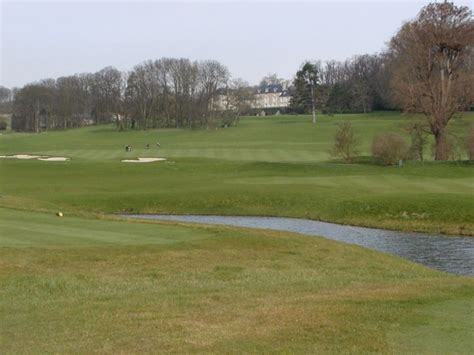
(51, 39)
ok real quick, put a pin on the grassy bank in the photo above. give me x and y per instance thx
(276, 166)
(85, 285)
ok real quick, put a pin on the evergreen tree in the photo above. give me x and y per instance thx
(306, 78)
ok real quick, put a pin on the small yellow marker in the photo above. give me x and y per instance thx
(59, 214)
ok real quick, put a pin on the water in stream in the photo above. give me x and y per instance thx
(453, 254)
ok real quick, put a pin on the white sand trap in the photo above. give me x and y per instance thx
(142, 160)
(37, 157)
(54, 159)
(20, 156)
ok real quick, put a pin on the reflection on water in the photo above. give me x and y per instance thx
(446, 253)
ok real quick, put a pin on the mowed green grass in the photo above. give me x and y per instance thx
(269, 139)
(87, 285)
(277, 166)
(92, 282)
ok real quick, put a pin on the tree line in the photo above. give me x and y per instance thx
(359, 84)
(167, 92)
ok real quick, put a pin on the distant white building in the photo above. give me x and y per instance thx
(270, 96)
(220, 101)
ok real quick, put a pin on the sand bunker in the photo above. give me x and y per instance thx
(54, 159)
(20, 156)
(142, 160)
(37, 157)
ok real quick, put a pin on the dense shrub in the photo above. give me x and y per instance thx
(345, 142)
(469, 143)
(3, 125)
(389, 148)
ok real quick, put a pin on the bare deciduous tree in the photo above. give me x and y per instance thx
(108, 90)
(345, 142)
(271, 79)
(240, 96)
(212, 75)
(432, 66)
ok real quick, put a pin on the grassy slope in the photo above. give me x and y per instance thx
(271, 166)
(83, 285)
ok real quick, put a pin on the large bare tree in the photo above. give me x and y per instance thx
(240, 97)
(212, 76)
(107, 87)
(432, 66)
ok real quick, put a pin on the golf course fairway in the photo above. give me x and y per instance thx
(275, 166)
(93, 282)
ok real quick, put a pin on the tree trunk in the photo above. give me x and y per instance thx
(441, 152)
(313, 105)
(37, 118)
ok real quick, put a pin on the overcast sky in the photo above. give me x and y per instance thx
(52, 39)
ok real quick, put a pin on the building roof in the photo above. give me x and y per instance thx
(272, 88)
